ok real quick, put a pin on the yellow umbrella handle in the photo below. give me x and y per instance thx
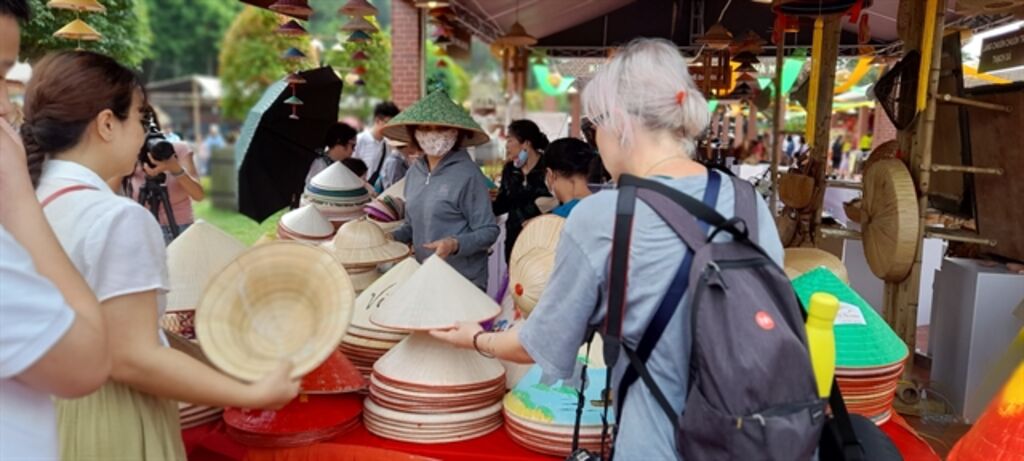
(821, 339)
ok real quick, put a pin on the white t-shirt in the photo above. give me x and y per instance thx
(33, 318)
(114, 242)
(369, 150)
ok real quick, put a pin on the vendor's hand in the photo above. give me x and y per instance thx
(444, 247)
(460, 336)
(170, 165)
(275, 390)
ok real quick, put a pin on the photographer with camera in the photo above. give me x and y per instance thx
(182, 186)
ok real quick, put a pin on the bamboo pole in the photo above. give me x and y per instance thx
(780, 113)
(822, 104)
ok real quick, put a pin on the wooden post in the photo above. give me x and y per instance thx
(197, 124)
(901, 299)
(823, 117)
(777, 123)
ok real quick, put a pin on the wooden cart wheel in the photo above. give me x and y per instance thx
(889, 219)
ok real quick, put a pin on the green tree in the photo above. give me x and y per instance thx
(452, 78)
(125, 29)
(378, 66)
(187, 32)
(250, 60)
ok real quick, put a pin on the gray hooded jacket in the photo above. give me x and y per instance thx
(451, 201)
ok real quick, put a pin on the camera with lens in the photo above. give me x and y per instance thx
(156, 143)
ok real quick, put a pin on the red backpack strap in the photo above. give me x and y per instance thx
(65, 190)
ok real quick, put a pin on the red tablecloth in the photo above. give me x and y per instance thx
(211, 443)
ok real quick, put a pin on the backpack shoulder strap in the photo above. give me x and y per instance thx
(622, 237)
(746, 206)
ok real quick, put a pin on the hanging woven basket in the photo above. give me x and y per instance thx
(889, 219)
(796, 190)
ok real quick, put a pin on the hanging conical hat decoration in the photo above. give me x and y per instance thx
(371, 298)
(436, 109)
(358, 23)
(533, 259)
(452, 299)
(863, 339)
(194, 258)
(359, 37)
(889, 219)
(999, 432)
(361, 243)
(293, 54)
(291, 28)
(801, 260)
(78, 30)
(336, 178)
(295, 8)
(516, 37)
(717, 37)
(358, 8)
(307, 222)
(81, 6)
(278, 301)
(422, 360)
(337, 375)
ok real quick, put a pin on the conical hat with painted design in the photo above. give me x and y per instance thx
(533, 259)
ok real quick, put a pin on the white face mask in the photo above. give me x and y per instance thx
(437, 143)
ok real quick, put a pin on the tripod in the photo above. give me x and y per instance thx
(153, 195)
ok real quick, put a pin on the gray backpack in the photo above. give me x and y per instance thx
(751, 392)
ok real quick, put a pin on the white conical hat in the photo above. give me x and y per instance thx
(193, 258)
(337, 177)
(533, 259)
(435, 297)
(371, 298)
(307, 221)
(396, 190)
(422, 360)
(361, 243)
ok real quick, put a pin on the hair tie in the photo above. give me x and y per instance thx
(680, 97)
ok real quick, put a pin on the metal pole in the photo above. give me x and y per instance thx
(777, 126)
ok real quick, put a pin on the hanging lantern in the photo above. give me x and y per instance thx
(360, 70)
(360, 8)
(516, 37)
(296, 8)
(78, 30)
(716, 38)
(81, 6)
(291, 28)
(359, 37)
(293, 101)
(293, 54)
(360, 56)
(359, 24)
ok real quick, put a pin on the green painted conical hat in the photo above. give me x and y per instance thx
(436, 109)
(863, 339)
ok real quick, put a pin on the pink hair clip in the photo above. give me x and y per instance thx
(680, 97)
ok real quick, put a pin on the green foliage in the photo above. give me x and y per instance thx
(452, 78)
(250, 60)
(187, 33)
(378, 66)
(125, 29)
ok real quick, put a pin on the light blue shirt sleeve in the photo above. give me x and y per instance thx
(33, 314)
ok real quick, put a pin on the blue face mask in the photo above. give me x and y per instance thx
(520, 160)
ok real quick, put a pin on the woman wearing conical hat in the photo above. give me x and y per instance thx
(448, 208)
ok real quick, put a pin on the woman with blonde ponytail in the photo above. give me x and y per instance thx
(648, 114)
(83, 129)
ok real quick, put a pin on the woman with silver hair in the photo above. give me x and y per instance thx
(648, 113)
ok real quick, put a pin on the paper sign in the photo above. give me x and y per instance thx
(849, 315)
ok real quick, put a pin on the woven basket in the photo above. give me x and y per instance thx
(796, 190)
(852, 210)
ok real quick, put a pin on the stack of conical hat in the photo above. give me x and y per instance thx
(869, 355)
(362, 246)
(305, 224)
(337, 375)
(533, 259)
(307, 420)
(193, 259)
(338, 193)
(425, 390)
(541, 415)
(388, 209)
(365, 342)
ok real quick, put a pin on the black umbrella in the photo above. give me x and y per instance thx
(274, 151)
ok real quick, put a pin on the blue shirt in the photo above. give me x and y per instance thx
(564, 209)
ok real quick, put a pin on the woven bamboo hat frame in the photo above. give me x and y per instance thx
(278, 301)
(889, 219)
(195, 257)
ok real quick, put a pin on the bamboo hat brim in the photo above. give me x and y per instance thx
(436, 109)
(278, 301)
